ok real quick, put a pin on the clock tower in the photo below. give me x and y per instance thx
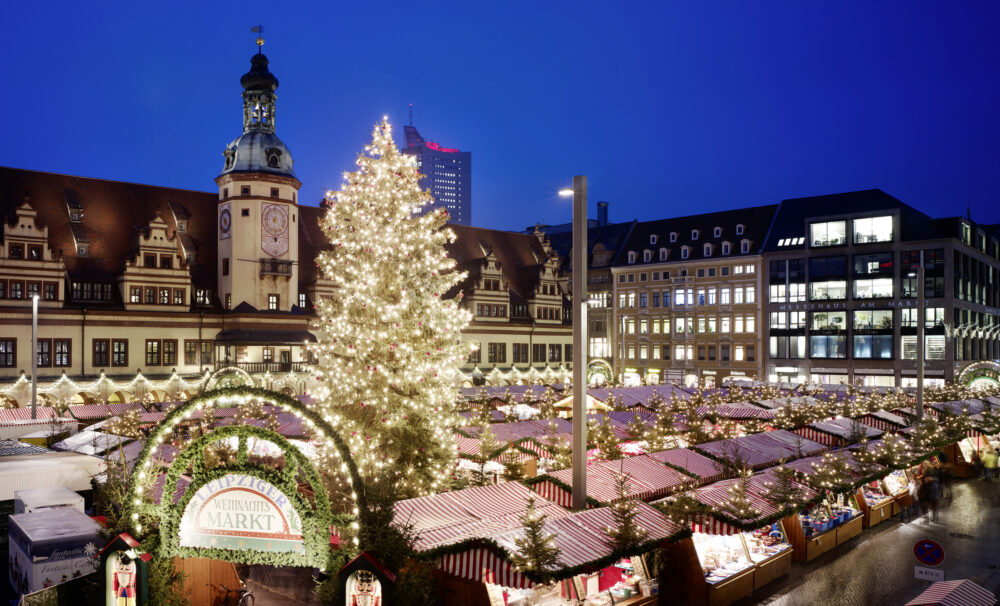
(258, 214)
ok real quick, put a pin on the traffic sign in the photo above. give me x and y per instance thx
(928, 574)
(928, 552)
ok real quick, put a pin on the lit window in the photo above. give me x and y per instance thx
(873, 229)
(832, 233)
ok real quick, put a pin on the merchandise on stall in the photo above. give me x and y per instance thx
(765, 542)
(897, 482)
(721, 556)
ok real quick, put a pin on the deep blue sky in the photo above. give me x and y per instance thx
(669, 108)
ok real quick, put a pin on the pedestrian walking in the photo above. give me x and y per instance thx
(910, 512)
(990, 463)
(978, 469)
(933, 496)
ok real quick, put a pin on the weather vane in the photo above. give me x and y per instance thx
(259, 30)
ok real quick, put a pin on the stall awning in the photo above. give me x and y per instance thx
(954, 593)
(240, 336)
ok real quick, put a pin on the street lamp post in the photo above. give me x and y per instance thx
(578, 262)
(34, 357)
(921, 345)
(920, 336)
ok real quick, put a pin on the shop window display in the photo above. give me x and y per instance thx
(897, 482)
(874, 495)
(721, 556)
(828, 514)
(765, 542)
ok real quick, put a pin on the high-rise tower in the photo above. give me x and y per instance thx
(447, 173)
(258, 213)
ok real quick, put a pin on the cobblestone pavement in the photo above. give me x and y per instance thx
(877, 566)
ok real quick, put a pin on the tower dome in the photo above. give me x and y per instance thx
(258, 149)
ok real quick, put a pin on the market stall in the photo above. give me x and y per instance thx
(822, 526)
(648, 478)
(739, 556)
(884, 420)
(897, 484)
(876, 502)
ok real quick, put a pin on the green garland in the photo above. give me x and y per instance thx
(167, 515)
(680, 469)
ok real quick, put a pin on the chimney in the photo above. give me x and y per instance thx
(602, 213)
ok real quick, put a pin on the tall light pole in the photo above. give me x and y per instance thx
(34, 357)
(920, 336)
(578, 262)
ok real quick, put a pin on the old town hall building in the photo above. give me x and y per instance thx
(144, 281)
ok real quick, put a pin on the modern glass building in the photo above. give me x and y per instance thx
(447, 174)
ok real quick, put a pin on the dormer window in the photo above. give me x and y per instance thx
(75, 216)
(82, 250)
(685, 251)
(739, 229)
(726, 248)
(663, 254)
(653, 238)
(745, 246)
(647, 256)
(717, 232)
(631, 256)
(182, 226)
(708, 250)
(694, 234)
(673, 236)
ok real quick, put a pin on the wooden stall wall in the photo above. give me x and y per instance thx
(200, 573)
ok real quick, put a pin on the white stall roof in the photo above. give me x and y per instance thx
(46, 470)
(38, 498)
(90, 442)
(52, 525)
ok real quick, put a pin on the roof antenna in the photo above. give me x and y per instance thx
(411, 114)
(259, 30)
(968, 210)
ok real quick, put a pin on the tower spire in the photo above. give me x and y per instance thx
(259, 30)
(411, 114)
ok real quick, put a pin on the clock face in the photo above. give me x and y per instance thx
(225, 222)
(274, 220)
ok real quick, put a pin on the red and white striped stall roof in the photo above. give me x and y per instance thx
(704, 468)
(24, 414)
(763, 449)
(478, 512)
(954, 593)
(758, 488)
(884, 420)
(815, 435)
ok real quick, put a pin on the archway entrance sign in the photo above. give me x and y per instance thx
(241, 511)
(980, 375)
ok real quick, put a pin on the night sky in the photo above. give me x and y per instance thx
(669, 108)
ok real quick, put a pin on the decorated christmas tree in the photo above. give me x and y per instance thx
(625, 535)
(537, 555)
(389, 340)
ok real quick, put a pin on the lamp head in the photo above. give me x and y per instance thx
(566, 192)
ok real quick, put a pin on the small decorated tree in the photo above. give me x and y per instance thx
(893, 452)
(784, 491)
(603, 436)
(626, 535)
(637, 428)
(488, 447)
(683, 508)
(739, 506)
(537, 554)
(514, 468)
(561, 449)
(832, 473)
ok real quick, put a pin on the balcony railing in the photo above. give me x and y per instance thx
(275, 267)
(262, 367)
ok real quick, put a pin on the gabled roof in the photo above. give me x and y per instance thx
(520, 256)
(612, 237)
(755, 221)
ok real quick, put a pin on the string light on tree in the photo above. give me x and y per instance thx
(389, 342)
